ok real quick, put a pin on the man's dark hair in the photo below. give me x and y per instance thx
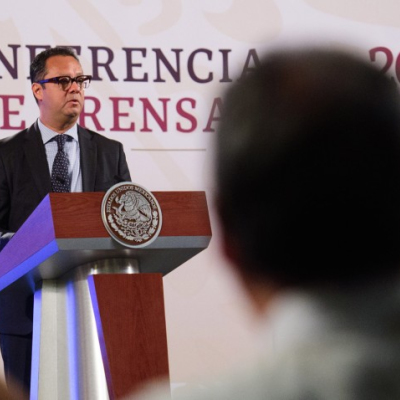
(308, 169)
(38, 65)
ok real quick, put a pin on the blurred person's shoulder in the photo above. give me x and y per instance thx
(340, 366)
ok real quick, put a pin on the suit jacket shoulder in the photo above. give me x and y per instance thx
(97, 137)
(16, 140)
(103, 161)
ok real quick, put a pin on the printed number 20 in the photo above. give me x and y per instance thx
(389, 59)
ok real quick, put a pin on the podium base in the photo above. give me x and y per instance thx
(67, 361)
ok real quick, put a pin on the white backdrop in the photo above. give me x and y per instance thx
(159, 68)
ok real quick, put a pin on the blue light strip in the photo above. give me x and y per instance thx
(29, 264)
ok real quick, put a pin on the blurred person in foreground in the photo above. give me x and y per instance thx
(308, 195)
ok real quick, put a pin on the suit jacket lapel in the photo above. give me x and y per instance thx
(88, 150)
(36, 156)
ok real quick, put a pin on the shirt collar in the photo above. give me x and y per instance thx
(48, 134)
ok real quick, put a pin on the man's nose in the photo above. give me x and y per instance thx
(75, 87)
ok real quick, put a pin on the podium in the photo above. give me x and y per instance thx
(99, 324)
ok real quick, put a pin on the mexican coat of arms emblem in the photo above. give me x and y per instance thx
(131, 214)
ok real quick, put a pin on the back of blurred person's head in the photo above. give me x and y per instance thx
(308, 170)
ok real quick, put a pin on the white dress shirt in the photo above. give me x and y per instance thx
(72, 150)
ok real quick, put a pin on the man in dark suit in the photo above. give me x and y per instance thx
(30, 168)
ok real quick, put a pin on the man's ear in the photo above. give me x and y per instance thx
(37, 90)
(231, 247)
(226, 243)
(259, 291)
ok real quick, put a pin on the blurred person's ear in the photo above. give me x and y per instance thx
(259, 289)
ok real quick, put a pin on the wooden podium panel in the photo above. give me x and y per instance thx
(77, 214)
(129, 311)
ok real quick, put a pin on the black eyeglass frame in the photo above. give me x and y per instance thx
(83, 81)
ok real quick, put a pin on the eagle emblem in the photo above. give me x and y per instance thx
(131, 214)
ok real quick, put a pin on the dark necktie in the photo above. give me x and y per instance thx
(60, 181)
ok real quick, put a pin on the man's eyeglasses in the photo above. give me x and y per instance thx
(65, 82)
